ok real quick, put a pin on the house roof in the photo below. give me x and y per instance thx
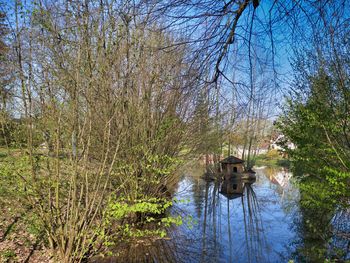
(231, 160)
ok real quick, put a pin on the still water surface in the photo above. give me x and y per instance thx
(254, 227)
(265, 224)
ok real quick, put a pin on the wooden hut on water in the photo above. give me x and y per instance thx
(231, 165)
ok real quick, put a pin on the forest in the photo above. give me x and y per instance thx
(104, 102)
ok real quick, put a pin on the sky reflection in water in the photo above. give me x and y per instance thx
(255, 227)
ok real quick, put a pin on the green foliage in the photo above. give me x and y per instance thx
(319, 128)
(147, 175)
(12, 132)
(34, 224)
(272, 158)
(11, 185)
(159, 165)
(272, 155)
(144, 217)
(8, 256)
(316, 119)
(165, 127)
(121, 208)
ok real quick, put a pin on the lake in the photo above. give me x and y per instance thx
(271, 221)
(265, 224)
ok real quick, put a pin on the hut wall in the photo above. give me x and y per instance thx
(234, 168)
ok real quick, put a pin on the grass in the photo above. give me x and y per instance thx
(20, 231)
(3, 152)
(271, 159)
(8, 256)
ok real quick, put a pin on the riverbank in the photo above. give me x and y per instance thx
(272, 159)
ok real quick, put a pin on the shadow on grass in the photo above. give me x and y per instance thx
(9, 227)
(14, 221)
(34, 247)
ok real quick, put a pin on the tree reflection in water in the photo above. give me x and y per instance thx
(249, 227)
(265, 223)
(253, 225)
(323, 226)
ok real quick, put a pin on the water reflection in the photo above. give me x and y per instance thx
(232, 188)
(250, 221)
(238, 221)
(251, 242)
(323, 226)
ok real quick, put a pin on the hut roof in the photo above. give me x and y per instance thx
(231, 160)
(231, 196)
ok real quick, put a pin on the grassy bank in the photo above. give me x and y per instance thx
(272, 159)
(21, 235)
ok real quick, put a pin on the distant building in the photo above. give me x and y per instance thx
(275, 143)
